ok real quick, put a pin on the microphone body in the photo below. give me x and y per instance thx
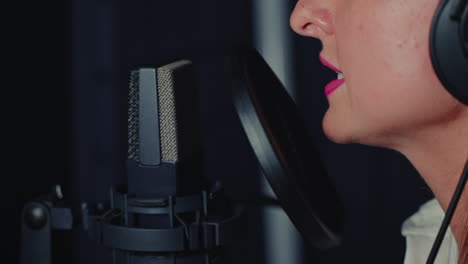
(164, 179)
(164, 153)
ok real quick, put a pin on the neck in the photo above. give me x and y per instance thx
(439, 155)
(443, 180)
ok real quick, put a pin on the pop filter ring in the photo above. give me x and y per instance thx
(276, 133)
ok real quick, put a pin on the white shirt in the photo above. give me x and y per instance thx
(420, 231)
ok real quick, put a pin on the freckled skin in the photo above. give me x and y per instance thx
(390, 90)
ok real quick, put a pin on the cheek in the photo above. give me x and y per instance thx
(380, 37)
(383, 51)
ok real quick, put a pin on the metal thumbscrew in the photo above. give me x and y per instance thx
(35, 216)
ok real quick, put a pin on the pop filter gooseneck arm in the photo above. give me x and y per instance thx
(448, 215)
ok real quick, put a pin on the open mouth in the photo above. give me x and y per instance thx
(333, 85)
(329, 65)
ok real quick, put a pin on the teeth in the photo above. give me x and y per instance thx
(340, 76)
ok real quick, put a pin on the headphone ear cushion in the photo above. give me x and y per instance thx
(448, 49)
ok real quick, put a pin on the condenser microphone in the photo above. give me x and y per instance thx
(164, 213)
(166, 205)
(163, 132)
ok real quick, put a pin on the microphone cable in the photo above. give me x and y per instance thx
(448, 216)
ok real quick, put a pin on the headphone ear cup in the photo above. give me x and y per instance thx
(448, 47)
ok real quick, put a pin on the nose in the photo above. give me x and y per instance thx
(312, 18)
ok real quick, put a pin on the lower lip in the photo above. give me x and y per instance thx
(332, 86)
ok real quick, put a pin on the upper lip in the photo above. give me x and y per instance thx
(329, 65)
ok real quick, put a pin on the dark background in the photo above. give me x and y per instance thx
(65, 99)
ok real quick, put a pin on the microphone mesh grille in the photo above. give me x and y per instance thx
(172, 79)
(133, 127)
(167, 85)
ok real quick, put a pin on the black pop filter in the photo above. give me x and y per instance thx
(284, 151)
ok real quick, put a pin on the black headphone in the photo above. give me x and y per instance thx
(449, 54)
(449, 47)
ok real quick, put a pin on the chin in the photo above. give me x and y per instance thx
(341, 132)
(336, 133)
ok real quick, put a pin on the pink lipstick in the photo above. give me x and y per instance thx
(333, 85)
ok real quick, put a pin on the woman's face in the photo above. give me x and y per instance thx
(390, 90)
